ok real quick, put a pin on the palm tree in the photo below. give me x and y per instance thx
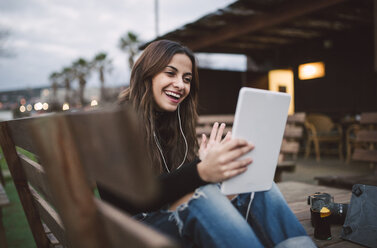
(128, 43)
(55, 78)
(81, 70)
(68, 76)
(102, 63)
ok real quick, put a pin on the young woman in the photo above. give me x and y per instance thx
(190, 208)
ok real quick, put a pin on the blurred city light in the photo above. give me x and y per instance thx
(65, 106)
(93, 103)
(45, 92)
(38, 106)
(29, 107)
(45, 106)
(22, 109)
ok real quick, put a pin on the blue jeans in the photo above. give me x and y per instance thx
(209, 219)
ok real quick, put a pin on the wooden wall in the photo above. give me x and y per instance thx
(349, 86)
(218, 91)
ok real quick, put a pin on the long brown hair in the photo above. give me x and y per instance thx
(152, 61)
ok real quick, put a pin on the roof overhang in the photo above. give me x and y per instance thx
(258, 26)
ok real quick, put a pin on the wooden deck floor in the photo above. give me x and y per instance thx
(296, 194)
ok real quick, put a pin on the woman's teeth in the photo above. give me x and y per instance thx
(172, 94)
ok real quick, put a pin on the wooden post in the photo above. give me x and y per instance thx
(375, 34)
(19, 179)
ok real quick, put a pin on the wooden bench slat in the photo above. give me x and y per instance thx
(50, 236)
(366, 136)
(50, 217)
(365, 155)
(207, 130)
(122, 227)
(4, 200)
(346, 182)
(297, 118)
(368, 118)
(119, 148)
(36, 176)
(290, 147)
(293, 132)
(20, 133)
(68, 181)
(211, 119)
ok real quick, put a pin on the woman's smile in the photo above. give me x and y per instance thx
(173, 96)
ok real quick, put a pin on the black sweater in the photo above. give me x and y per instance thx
(174, 185)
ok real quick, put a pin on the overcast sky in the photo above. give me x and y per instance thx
(47, 35)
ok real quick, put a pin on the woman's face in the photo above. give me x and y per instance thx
(172, 85)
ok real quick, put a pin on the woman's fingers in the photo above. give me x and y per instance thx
(213, 132)
(217, 132)
(220, 132)
(233, 173)
(236, 167)
(203, 142)
(232, 144)
(228, 136)
(237, 164)
(236, 153)
(220, 160)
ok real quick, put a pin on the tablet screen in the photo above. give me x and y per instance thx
(260, 119)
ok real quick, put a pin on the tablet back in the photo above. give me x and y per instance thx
(260, 119)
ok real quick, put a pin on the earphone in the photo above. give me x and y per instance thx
(184, 138)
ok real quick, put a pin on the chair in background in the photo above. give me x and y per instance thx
(351, 140)
(366, 139)
(321, 129)
(365, 151)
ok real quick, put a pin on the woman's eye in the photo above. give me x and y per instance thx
(187, 80)
(170, 73)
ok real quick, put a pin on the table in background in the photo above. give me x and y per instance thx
(296, 194)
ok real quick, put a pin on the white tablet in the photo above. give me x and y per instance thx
(260, 119)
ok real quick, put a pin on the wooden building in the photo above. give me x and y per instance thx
(283, 34)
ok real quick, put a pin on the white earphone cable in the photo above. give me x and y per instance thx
(184, 138)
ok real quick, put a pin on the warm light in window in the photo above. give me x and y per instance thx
(311, 70)
(282, 81)
(65, 106)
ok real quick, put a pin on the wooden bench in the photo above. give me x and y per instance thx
(75, 151)
(205, 123)
(290, 146)
(365, 151)
(4, 201)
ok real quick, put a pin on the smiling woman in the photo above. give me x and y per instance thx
(190, 206)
